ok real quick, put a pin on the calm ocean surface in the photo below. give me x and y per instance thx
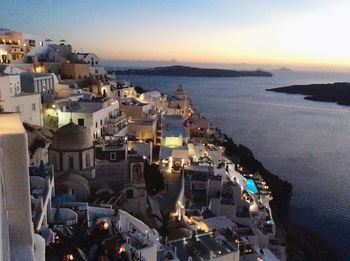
(304, 142)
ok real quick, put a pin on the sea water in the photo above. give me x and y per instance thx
(304, 142)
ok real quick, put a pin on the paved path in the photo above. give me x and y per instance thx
(167, 198)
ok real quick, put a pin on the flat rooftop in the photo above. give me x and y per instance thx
(174, 132)
(201, 247)
(11, 123)
(84, 107)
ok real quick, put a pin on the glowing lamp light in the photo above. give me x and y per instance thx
(105, 225)
(56, 239)
(121, 250)
(53, 106)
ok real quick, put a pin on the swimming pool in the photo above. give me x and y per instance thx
(251, 186)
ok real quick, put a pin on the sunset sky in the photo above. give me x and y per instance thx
(283, 33)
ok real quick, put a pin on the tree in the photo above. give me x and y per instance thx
(154, 179)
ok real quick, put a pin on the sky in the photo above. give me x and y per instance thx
(295, 33)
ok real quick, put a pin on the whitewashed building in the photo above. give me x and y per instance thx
(96, 68)
(12, 99)
(85, 112)
(17, 46)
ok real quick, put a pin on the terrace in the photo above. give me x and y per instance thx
(202, 247)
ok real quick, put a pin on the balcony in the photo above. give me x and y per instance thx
(115, 119)
(42, 190)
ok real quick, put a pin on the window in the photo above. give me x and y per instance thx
(96, 71)
(31, 43)
(71, 162)
(81, 122)
(96, 62)
(101, 122)
(137, 176)
(33, 107)
(87, 159)
(96, 124)
(129, 194)
(18, 109)
(112, 156)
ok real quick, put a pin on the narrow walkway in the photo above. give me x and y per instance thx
(167, 198)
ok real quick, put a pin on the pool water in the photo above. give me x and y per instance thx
(251, 186)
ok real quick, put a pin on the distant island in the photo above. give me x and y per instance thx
(188, 71)
(284, 69)
(338, 92)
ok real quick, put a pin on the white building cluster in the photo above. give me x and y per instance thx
(82, 157)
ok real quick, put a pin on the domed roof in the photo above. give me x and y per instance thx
(71, 137)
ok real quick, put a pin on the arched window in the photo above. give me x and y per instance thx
(71, 163)
(129, 194)
(87, 160)
(137, 175)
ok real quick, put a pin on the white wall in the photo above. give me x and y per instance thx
(14, 162)
(142, 149)
(97, 70)
(90, 118)
(13, 100)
